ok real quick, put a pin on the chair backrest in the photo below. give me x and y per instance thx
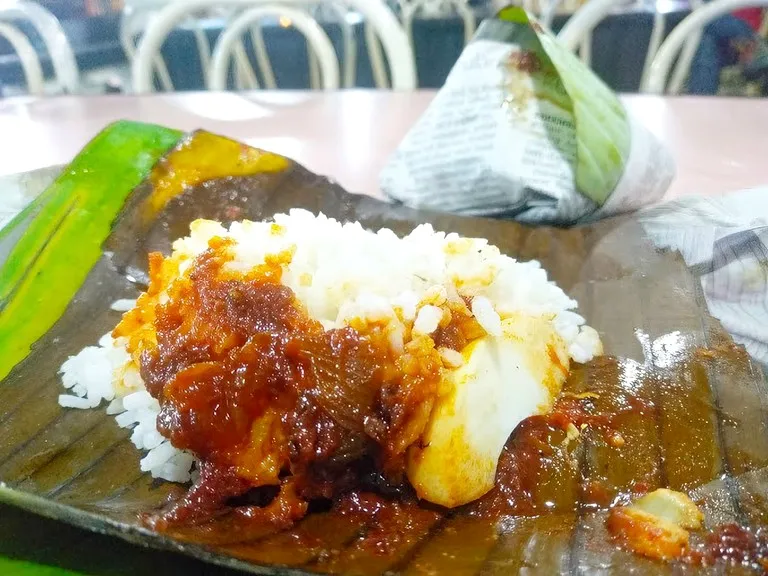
(585, 19)
(30, 63)
(577, 33)
(133, 21)
(548, 12)
(136, 16)
(338, 13)
(409, 9)
(680, 36)
(683, 62)
(317, 40)
(375, 12)
(49, 28)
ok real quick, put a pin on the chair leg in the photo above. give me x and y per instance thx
(585, 49)
(30, 63)
(262, 58)
(376, 57)
(657, 35)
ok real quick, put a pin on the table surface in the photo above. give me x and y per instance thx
(719, 144)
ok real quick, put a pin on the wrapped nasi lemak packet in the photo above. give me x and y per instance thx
(523, 129)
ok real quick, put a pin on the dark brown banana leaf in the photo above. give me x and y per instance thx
(708, 434)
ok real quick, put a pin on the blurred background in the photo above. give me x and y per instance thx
(102, 36)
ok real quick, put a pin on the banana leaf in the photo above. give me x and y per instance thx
(707, 435)
(21, 568)
(57, 238)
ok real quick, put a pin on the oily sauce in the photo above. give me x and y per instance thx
(282, 413)
(264, 396)
(539, 468)
(287, 418)
(735, 544)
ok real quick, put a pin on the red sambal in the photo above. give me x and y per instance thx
(264, 395)
(285, 415)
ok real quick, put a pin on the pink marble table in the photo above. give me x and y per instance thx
(720, 145)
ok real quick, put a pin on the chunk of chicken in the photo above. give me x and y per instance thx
(656, 525)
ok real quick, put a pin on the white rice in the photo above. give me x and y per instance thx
(428, 319)
(123, 305)
(338, 272)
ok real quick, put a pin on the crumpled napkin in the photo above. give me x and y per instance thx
(523, 129)
(724, 240)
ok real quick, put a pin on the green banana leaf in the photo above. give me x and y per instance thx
(51, 247)
(601, 123)
(57, 239)
(10, 567)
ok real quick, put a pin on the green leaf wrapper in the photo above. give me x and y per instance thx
(57, 239)
(602, 127)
